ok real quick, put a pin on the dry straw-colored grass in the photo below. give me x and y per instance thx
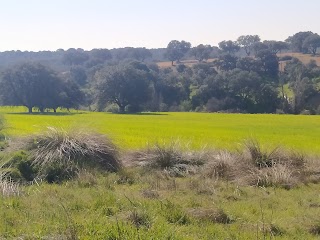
(73, 147)
(212, 215)
(251, 165)
(8, 187)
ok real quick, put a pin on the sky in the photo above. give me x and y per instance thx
(37, 25)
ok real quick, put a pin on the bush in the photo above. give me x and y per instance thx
(59, 154)
(58, 145)
(19, 167)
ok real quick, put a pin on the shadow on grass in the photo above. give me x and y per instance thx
(49, 113)
(144, 114)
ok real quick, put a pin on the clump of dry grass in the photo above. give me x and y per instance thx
(260, 158)
(220, 166)
(75, 147)
(275, 167)
(8, 187)
(275, 176)
(172, 158)
(212, 215)
(140, 218)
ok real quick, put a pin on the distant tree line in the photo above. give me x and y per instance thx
(246, 75)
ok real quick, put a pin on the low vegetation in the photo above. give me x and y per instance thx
(59, 185)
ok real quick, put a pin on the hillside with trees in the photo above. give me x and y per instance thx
(247, 75)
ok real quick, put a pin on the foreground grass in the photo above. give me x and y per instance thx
(163, 192)
(199, 129)
(137, 205)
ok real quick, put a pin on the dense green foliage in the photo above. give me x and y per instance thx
(239, 76)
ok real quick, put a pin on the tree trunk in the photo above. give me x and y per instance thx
(171, 63)
(54, 110)
(30, 109)
(122, 108)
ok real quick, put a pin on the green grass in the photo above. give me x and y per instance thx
(298, 132)
(148, 203)
(103, 210)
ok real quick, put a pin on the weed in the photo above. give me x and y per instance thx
(140, 219)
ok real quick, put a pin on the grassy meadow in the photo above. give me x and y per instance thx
(165, 191)
(134, 131)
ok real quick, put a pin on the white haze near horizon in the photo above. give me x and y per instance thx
(37, 25)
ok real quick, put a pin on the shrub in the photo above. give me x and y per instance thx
(58, 145)
(58, 155)
(19, 167)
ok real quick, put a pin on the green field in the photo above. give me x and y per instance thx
(174, 193)
(298, 132)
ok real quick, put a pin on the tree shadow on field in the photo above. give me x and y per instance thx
(144, 114)
(48, 113)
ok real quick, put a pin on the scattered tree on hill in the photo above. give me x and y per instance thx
(229, 47)
(312, 43)
(259, 46)
(247, 41)
(276, 46)
(201, 52)
(296, 41)
(176, 50)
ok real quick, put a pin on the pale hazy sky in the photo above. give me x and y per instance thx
(52, 24)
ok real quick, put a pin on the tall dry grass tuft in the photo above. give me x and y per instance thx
(275, 176)
(260, 158)
(8, 187)
(58, 146)
(220, 166)
(172, 158)
(275, 167)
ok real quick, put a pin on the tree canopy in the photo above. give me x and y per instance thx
(176, 50)
(123, 85)
(33, 85)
